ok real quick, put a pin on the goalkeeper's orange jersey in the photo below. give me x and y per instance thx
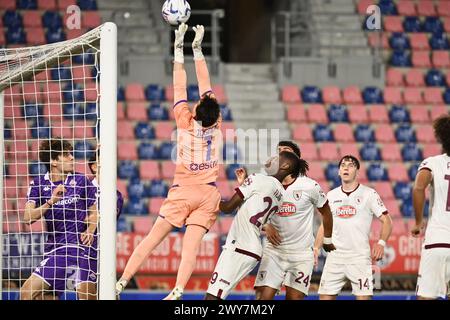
(198, 148)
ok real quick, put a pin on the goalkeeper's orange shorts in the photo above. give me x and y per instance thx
(191, 205)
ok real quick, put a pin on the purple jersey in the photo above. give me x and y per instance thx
(66, 219)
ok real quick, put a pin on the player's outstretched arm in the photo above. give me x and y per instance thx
(201, 69)
(232, 204)
(423, 179)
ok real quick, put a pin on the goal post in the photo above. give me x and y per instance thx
(68, 90)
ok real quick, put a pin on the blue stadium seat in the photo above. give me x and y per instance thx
(407, 208)
(32, 110)
(412, 171)
(26, 4)
(136, 189)
(405, 133)
(338, 113)
(74, 111)
(37, 168)
(87, 57)
(87, 4)
(12, 19)
(61, 73)
(377, 172)
(91, 111)
(127, 170)
(446, 95)
(157, 188)
(403, 190)
(332, 172)
(399, 114)
(364, 133)
(231, 152)
(144, 130)
(83, 150)
(412, 24)
(53, 36)
(192, 92)
(155, 92)
(400, 59)
(323, 132)
(433, 25)
(40, 128)
(230, 171)
(370, 152)
(120, 94)
(388, 7)
(226, 113)
(411, 152)
(166, 150)
(158, 112)
(336, 184)
(137, 207)
(311, 94)
(147, 151)
(73, 93)
(94, 72)
(372, 95)
(7, 132)
(399, 41)
(439, 41)
(123, 225)
(15, 35)
(52, 20)
(434, 78)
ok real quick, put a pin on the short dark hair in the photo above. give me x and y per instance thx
(92, 160)
(350, 158)
(207, 111)
(298, 166)
(441, 128)
(292, 145)
(53, 148)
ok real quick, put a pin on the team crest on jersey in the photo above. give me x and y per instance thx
(287, 209)
(358, 200)
(346, 211)
(297, 194)
(46, 188)
(73, 183)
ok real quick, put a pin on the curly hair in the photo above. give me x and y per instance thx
(52, 149)
(299, 167)
(441, 128)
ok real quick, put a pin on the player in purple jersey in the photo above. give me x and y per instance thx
(67, 201)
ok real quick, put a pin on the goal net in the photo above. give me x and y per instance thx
(64, 91)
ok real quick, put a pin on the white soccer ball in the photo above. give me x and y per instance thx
(176, 11)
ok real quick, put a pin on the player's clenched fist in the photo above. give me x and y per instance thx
(57, 194)
(329, 247)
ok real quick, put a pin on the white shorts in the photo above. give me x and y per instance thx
(231, 268)
(335, 275)
(434, 273)
(277, 270)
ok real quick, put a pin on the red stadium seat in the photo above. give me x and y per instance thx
(419, 41)
(425, 134)
(164, 130)
(154, 205)
(352, 94)
(8, 4)
(52, 92)
(53, 111)
(303, 133)
(394, 77)
(430, 150)
(391, 152)
(13, 111)
(80, 74)
(443, 8)
(349, 148)
(309, 151)
(332, 94)
(32, 18)
(84, 129)
(343, 132)
(325, 186)
(149, 170)
(63, 129)
(137, 111)
(63, 4)
(437, 111)
(414, 78)
(291, 94)
(393, 208)
(74, 33)
(419, 114)
(32, 92)
(393, 95)
(412, 96)
(49, 5)
(228, 130)
(406, 8)
(134, 92)
(225, 224)
(125, 130)
(35, 36)
(393, 24)
(440, 58)
(2, 37)
(296, 113)
(167, 169)
(90, 91)
(91, 19)
(399, 227)
(433, 95)
(363, 5)
(315, 171)
(358, 114)
(13, 95)
(18, 169)
(126, 151)
(169, 93)
(219, 92)
(421, 59)
(122, 187)
(42, 75)
(317, 113)
(328, 151)
(222, 173)
(142, 225)
(384, 189)
(426, 8)
(82, 167)
(446, 24)
(225, 189)
(377, 39)
(21, 131)
(120, 111)
(362, 175)
(378, 113)
(397, 172)
(384, 133)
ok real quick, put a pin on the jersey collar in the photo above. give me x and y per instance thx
(348, 193)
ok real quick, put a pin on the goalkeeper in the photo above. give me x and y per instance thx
(193, 199)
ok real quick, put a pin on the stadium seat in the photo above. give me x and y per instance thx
(403, 190)
(411, 152)
(433, 25)
(394, 77)
(446, 23)
(296, 113)
(35, 36)
(158, 112)
(73, 111)
(147, 151)
(225, 189)
(412, 96)
(372, 95)
(400, 59)
(378, 40)
(440, 59)
(136, 207)
(32, 19)
(62, 73)
(309, 151)
(226, 113)
(352, 95)
(134, 92)
(406, 8)
(363, 5)
(120, 94)
(398, 114)
(15, 36)
(219, 92)
(142, 225)
(136, 190)
(73, 93)
(157, 188)
(164, 130)
(12, 19)
(322, 133)
(419, 41)
(405, 133)
(387, 7)
(399, 41)
(437, 111)
(149, 170)
(143, 130)
(231, 152)
(384, 189)
(332, 94)
(439, 41)
(311, 94)
(390, 152)
(302, 133)
(290, 94)
(37, 168)
(343, 132)
(317, 114)
(8, 4)
(167, 169)
(421, 59)
(412, 171)
(337, 113)
(434, 78)
(120, 111)
(126, 150)
(446, 96)
(230, 171)
(412, 24)
(393, 24)
(370, 152)
(166, 149)
(364, 133)
(192, 92)
(52, 20)
(328, 151)
(433, 95)
(74, 33)
(169, 93)
(430, 150)
(393, 95)
(393, 208)
(397, 172)
(155, 92)
(125, 130)
(17, 150)
(378, 113)
(63, 4)
(384, 133)
(316, 171)
(349, 148)
(2, 36)
(358, 114)
(31, 92)
(127, 169)
(137, 111)
(90, 19)
(426, 8)
(419, 114)
(332, 173)
(377, 172)
(443, 8)
(414, 78)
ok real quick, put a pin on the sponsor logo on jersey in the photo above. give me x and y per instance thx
(297, 194)
(287, 209)
(345, 211)
(202, 166)
(67, 201)
(337, 201)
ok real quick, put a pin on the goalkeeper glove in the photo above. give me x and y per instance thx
(197, 43)
(179, 42)
(120, 286)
